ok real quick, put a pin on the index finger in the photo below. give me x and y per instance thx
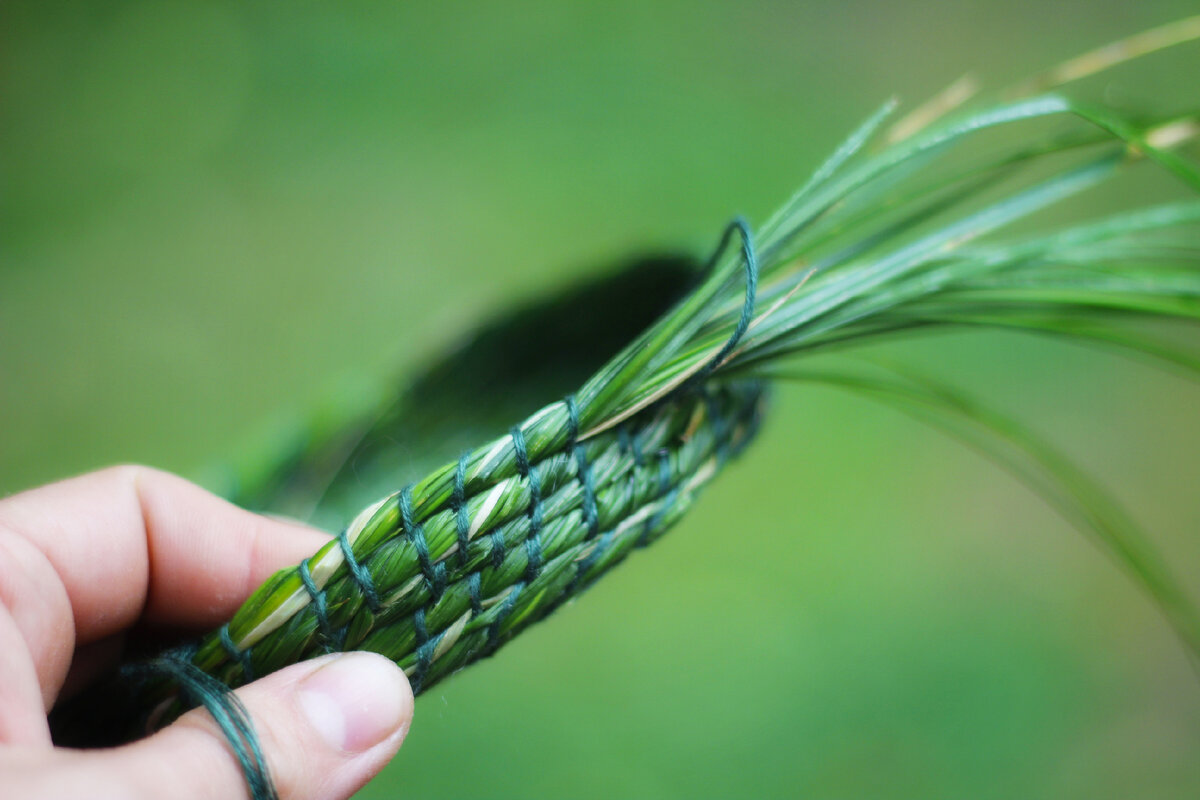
(89, 556)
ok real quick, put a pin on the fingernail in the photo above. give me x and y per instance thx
(356, 701)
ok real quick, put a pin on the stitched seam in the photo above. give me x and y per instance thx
(330, 641)
(528, 471)
(360, 574)
(235, 653)
(435, 573)
(583, 470)
(493, 630)
(665, 491)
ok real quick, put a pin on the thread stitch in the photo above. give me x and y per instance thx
(506, 608)
(236, 653)
(424, 662)
(533, 542)
(435, 573)
(666, 492)
(422, 632)
(587, 563)
(474, 591)
(629, 444)
(499, 551)
(583, 470)
(462, 519)
(462, 523)
(655, 521)
(360, 574)
(424, 649)
(591, 514)
(572, 420)
(320, 609)
(664, 471)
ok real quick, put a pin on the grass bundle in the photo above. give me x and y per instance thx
(929, 225)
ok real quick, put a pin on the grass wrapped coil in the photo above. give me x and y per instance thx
(443, 573)
(928, 226)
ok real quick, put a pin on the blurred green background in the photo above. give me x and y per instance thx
(216, 215)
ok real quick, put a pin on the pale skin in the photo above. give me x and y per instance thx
(84, 560)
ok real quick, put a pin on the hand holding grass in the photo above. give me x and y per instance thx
(90, 561)
(950, 220)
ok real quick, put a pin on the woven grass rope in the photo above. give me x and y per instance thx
(912, 228)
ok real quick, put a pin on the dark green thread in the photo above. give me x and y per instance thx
(419, 628)
(320, 608)
(462, 525)
(499, 551)
(424, 649)
(360, 574)
(655, 520)
(528, 471)
(462, 519)
(572, 420)
(236, 653)
(506, 608)
(424, 661)
(591, 514)
(664, 472)
(435, 573)
(425, 657)
(750, 261)
(583, 469)
(602, 545)
(474, 591)
(666, 492)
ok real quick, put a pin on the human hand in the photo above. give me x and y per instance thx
(84, 560)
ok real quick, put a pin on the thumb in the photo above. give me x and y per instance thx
(326, 727)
